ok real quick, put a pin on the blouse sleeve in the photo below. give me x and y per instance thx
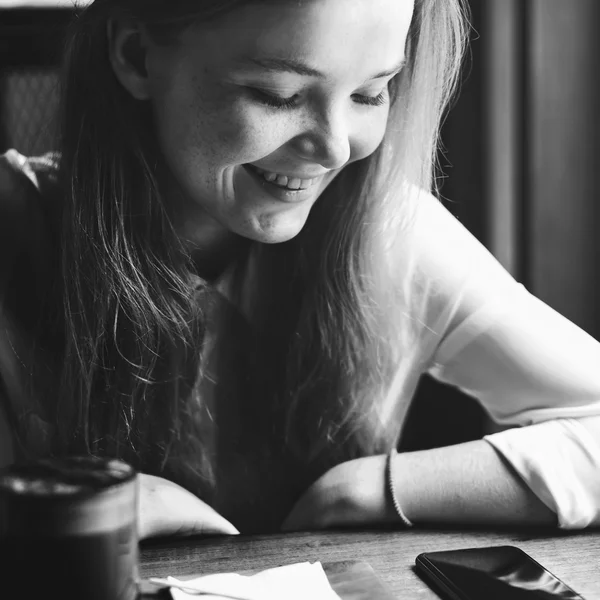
(532, 370)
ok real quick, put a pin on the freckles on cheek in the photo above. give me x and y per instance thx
(240, 139)
(247, 130)
(249, 134)
(205, 121)
(226, 133)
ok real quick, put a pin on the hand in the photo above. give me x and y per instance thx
(351, 494)
(166, 508)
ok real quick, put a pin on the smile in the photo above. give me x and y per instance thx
(283, 181)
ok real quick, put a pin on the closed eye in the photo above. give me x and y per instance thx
(293, 101)
(275, 101)
(378, 100)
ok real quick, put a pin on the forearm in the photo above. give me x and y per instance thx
(480, 482)
(465, 483)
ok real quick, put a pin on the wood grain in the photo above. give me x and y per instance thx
(574, 557)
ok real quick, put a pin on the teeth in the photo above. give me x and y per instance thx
(285, 181)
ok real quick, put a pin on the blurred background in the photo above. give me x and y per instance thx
(520, 164)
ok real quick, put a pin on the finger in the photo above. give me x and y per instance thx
(213, 524)
(167, 509)
(203, 521)
(177, 528)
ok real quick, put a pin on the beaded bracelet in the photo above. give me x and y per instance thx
(392, 488)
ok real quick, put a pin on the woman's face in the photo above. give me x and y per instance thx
(257, 112)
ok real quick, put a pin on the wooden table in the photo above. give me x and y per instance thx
(574, 557)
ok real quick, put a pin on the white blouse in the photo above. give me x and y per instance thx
(525, 363)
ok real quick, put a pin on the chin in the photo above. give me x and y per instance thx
(276, 239)
(274, 236)
(270, 229)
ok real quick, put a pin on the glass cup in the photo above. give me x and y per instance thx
(68, 530)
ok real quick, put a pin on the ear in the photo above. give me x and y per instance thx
(127, 51)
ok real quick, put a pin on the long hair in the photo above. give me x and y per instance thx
(334, 318)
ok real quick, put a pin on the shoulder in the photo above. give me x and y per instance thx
(25, 187)
(453, 275)
(443, 251)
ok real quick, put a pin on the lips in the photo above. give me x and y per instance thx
(279, 192)
(286, 182)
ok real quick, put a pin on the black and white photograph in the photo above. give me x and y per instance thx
(300, 299)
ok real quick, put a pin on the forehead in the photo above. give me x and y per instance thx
(332, 35)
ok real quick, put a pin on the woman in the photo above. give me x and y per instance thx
(233, 276)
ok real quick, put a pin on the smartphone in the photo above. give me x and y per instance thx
(492, 573)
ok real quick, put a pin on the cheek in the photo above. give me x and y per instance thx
(217, 127)
(242, 135)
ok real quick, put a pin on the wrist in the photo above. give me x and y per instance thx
(392, 491)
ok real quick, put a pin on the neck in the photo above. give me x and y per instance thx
(212, 247)
(211, 260)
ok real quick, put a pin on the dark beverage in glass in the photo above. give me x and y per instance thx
(68, 530)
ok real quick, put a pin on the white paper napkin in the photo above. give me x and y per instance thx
(299, 581)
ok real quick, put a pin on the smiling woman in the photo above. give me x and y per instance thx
(244, 93)
(233, 275)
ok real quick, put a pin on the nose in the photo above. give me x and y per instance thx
(326, 140)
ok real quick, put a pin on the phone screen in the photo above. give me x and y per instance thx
(494, 573)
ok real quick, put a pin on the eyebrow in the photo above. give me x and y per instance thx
(287, 65)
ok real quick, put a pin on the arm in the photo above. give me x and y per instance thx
(531, 369)
(466, 483)
(473, 483)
